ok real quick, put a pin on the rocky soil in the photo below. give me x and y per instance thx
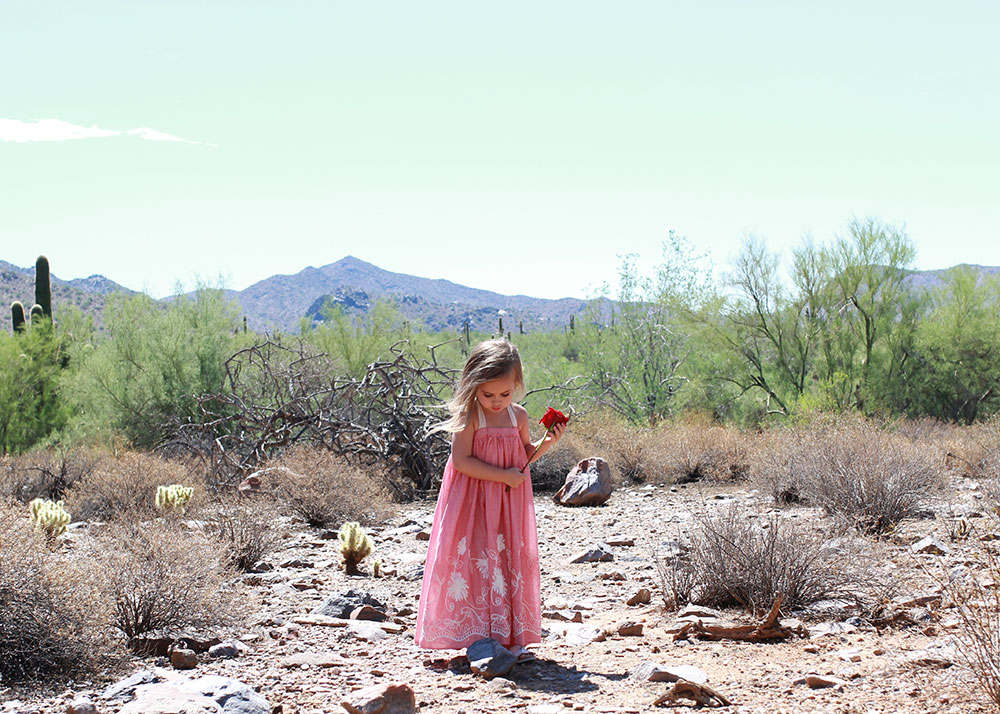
(305, 663)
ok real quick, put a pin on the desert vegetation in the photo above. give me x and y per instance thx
(184, 450)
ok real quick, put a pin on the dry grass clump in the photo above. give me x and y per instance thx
(629, 450)
(736, 559)
(693, 452)
(248, 528)
(974, 451)
(125, 487)
(51, 625)
(669, 453)
(163, 578)
(865, 477)
(325, 490)
(46, 474)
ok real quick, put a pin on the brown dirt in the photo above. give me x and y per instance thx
(593, 677)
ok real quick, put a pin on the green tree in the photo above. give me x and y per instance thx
(955, 371)
(142, 376)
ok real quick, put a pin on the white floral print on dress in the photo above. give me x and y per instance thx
(483, 565)
(461, 546)
(499, 586)
(458, 589)
(500, 543)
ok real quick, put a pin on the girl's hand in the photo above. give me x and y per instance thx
(556, 434)
(514, 478)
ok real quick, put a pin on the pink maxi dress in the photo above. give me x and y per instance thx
(481, 577)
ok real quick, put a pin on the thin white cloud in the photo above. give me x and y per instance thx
(21, 132)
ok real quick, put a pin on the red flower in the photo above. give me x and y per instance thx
(552, 418)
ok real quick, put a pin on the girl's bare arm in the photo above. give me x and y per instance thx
(464, 461)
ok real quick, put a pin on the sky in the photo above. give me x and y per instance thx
(520, 147)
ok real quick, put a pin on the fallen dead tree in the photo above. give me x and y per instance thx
(769, 629)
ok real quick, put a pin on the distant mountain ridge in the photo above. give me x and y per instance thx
(280, 302)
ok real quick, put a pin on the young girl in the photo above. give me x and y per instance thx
(481, 576)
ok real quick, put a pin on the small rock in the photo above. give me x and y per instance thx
(820, 681)
(489, 658)
(308, 660)
(648, 671)
(595, 554)
(563, 615)
(343, 604)
(367, 612)
(501, 684)
(182, 658)
(699, 612)
(630, 629)
(424, 534)
(642, 597)
(392, 698)
(224, 650)
(615, 575)
(831, 628)
(81, 705)
(851, 655)
(579, 635)
(930, 545)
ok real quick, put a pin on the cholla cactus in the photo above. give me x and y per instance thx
(355, 545)
(49, 516)
(377, 568)
(174, 497)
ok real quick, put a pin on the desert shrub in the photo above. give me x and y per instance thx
(974, 451)
(51, 626)
(871, 479)
(629, 450)
(248, 528)
(324, 489)
(977, 601)
(866, 477)
(692, 452)
(46, 474)
(125, 487)
(162, 577)
(736, 560)
(783, 461)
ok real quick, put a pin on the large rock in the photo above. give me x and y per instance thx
(343, 604)
(393, 698)
(489, 658)
(587, 484)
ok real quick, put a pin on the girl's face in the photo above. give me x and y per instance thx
(497, 394)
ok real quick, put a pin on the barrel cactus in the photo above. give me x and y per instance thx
(355, 545)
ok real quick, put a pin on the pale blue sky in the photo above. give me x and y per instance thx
(516, 146)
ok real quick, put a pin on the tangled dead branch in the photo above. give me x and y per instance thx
(276, 396)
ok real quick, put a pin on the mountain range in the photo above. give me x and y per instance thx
(280, 302)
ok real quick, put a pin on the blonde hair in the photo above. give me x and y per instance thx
(488, 360)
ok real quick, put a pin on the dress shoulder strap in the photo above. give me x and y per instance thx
(513, 417)
(482, 417)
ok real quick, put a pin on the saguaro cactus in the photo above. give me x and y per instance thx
(43, 285)
(37, 313)
(17, 316)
